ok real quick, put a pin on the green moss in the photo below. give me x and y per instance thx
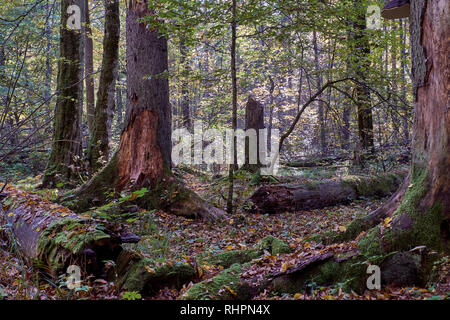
(414, 225)
(274, 245)
(370, 244)
(226, 285)
(271, 244)
(380, 186)
(64, 239)
(149, 276)
(353, 229)
(228, 258)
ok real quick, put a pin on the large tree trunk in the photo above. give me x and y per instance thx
(423, 217)
(98, 152)
(143, 159)
(66, 148)
(297, 197)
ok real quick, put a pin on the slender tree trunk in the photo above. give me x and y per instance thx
(185, 107)
(405, 109)
(66, 148)
(98, 152)
(320, 104)
(234, 105)
(89, 69)
(360, 64)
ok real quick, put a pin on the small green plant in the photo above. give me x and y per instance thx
(131, 295)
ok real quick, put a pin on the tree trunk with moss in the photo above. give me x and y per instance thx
(98, 152)
(52, 237)
(288, 198)
(143, 159)
(423, 217)
(420, 210)
(66, 149)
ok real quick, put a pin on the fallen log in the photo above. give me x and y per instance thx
(52, 237)
(314, 162)
(295, 197)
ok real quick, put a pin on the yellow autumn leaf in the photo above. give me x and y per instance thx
(150, 270)
(229, 247)
(297, 295)
(284, 267)
(388, 220)
(342, 229)
(231, 290)
(38, 229)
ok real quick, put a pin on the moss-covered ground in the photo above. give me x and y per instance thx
(191, 255)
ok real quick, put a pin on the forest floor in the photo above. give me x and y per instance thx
(170, 238)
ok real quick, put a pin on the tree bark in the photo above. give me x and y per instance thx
(360, 64)
(89, 69)
(423, 217)
(98, 152)
(143, 159)
(66, 149)
(233, 105)
(289, 198)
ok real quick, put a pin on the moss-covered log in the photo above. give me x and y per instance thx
(282, 198)
(52, 237)
(230, 284)
(147, 276)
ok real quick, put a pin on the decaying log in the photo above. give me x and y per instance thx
(291, 197)
(52, 237)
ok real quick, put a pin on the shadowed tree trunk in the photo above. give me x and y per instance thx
(185, 108)
(66, 148)
(360, 64)
(89, 69)
(98, 152)
(143, 159)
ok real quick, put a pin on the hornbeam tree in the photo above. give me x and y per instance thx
(66, 148)
(101, 128)
(143, 159)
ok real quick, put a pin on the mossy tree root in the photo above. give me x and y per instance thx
(169, 194)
